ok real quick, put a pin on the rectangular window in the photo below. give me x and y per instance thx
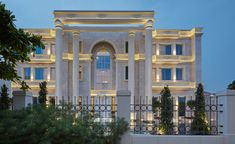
(126, 72)
(165, 49)
(126, 47)
(39, 73)
(179, 49)
(181, 109)
(103, 62)
(38, 50)
(166, 74)
(179, 74)
(80, 46)
(27, 73)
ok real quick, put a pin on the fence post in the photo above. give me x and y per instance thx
(226, 115)
(123, 111)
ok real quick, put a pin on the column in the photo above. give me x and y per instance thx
(75, 67)
(131, 65)
(58, 62)
(148, 59)
(174, 74)
(48, 73)
(32, 74)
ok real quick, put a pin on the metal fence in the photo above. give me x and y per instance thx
(104, 108)
(146, 115)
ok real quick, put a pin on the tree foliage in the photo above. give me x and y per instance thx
(166, 120)
(231, 86)
(199, 124)
(43, 93)
(57, 126)
(5, 101)
(15, 45)
(191, 104)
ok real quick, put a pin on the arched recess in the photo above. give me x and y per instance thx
(103, 66)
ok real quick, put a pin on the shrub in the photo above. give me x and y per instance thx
(5, 101)
(166, 120)
(199, 124)
(55, 126)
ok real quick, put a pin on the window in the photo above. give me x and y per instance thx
(179, 49)
(80, 72)
(165, 49)
(38, 50)
(27, 73)
(80, 46)
(181, 102)
(39, 73)
(126, 47)
(179, 74)
(166, 74)
(126, 73)
(103, 62)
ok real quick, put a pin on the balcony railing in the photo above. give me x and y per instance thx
(42, 58)
(173, 58)
(35, 83)
(176, 84)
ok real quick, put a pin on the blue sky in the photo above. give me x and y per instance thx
(217, 17)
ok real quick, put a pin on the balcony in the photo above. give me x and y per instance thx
(172, 58)
(176, 84)
(35, 84)
(42, 58)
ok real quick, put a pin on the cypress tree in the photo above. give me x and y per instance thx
(43, 93)
(166, 123)
(5, 101)
(199, 124)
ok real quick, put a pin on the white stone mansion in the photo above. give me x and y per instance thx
(93, 53)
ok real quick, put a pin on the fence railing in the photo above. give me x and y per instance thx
(146, 116)
(104, 108)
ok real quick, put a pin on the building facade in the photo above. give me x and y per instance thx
(97, 53)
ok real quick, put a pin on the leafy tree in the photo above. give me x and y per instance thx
(5, 101)
(15, 45)
(166, 120)
(57, 126)
(43, 93)
(231, 86)
(199, 124)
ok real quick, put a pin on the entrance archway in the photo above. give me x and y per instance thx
(103, 67)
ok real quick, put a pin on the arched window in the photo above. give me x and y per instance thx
(103, 67)
(103, 60)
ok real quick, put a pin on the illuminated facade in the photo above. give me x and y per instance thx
(92, 53)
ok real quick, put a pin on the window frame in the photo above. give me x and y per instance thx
(164, 44)
(29, 72)
(171, 78)
(182, 49)
(43, 73)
